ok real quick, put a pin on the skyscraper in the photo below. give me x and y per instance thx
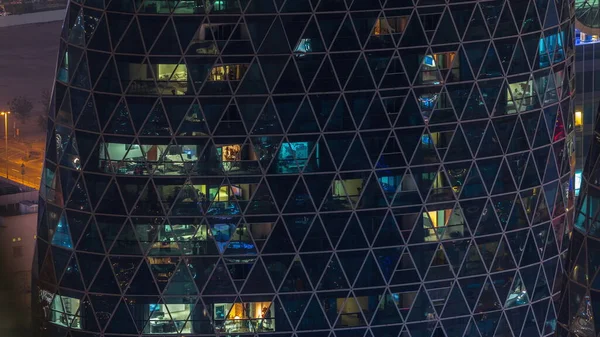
(580, 296)
(308, 168)
(578, 309)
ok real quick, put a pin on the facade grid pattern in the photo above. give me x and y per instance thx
(308, 168)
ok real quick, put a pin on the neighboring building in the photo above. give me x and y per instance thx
(579, 306)
(587, 77)
(18, 224)
(580, 299)
(307, 167)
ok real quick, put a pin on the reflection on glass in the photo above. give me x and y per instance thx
(303, 47)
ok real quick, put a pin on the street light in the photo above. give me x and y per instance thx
(5, 114)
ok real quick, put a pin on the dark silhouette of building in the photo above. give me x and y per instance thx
(303, 167)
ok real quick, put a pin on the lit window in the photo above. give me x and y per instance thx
(440, 61)
(232, 72)
(231, 156)
(427, 102)
(347, 188)
(65, 311)
(578, 118)
(169, 318)
(390, 25)
(429, 61)
(219, 5)
(230, 152)
(303, 47)
(577, 182)
(523, 97)
(293, 156)
(244, 317)
(443, 224)
(350, 309)
(172, 72)
(551, 49)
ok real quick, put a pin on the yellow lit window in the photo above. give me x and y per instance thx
(172, 72)
(232, 72)
(578, 118)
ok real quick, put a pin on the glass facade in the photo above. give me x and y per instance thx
(580, 296)
(308, 168)
(581, 293)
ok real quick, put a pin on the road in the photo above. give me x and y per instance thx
(16, 155)
(28, 65)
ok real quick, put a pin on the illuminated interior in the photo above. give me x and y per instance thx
(171, 79)
(172, 159)
(552, 49)
(347, 188)
(169, 318)
(578, 179)
(350, 311)
(186, 6)
(433, 68)
(244, 317)
(231, 156)
(229, 72)
(293, 156)
(390, 25)
(578, 118)
(443, 224)
(583, 38)
(143, 159)
(522, 96)
(65, 311)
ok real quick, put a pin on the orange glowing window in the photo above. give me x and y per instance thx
(390, 25)
(231, 72)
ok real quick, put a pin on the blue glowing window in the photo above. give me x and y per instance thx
(295, 150)
(62, 237)
(304, 46)
(429, 61)
(551, 48)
